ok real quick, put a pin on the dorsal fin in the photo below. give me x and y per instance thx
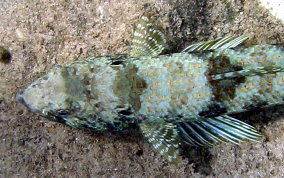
(220, 43)
(147, 39)
(249, 72)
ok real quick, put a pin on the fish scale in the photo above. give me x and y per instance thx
(184, 97)
(186, 89)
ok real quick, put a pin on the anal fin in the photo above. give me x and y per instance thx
(164, 138)
(210, 131)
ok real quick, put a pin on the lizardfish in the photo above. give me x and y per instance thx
(184, 97)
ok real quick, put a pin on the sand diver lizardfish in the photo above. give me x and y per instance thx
(185, 97)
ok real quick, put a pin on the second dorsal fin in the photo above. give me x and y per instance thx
(147, 39)
(220, 43)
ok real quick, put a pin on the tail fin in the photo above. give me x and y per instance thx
(210, 131)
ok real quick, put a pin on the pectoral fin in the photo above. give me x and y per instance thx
(164, 138)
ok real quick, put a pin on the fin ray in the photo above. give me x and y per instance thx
(249, 72)
(219, 43)
(228, 132)
(210, 131)
(164, 138)
(198, 138)
(249, 131)
(147, 39)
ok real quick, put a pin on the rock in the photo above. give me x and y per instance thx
(5, 55)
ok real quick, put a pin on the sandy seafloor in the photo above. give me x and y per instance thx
(42, 33)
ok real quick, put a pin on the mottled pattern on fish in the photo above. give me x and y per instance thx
(182, 83)
(173, 98)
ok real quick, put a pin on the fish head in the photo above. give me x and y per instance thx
(79, 95)
(54, 95)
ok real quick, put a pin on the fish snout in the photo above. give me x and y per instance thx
(20, 99)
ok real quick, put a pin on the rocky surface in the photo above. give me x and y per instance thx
(40, 34)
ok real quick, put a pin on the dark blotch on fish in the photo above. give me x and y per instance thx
(213, 110)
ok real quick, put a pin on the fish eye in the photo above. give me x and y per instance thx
(63, 112)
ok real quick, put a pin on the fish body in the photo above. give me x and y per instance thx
(173, 98)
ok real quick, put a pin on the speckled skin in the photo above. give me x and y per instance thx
(114, 92)
(181, 84)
